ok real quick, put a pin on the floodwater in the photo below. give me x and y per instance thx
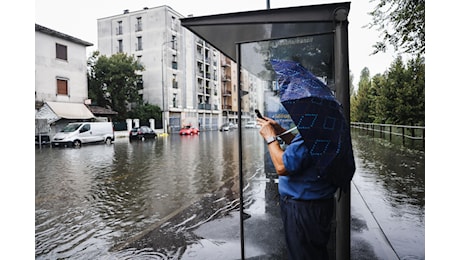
(91, 200)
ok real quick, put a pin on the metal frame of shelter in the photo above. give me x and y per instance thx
(227, 32)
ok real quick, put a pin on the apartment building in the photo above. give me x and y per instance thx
(182, 72)
(229, 90)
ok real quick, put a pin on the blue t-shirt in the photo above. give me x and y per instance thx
(302, 181)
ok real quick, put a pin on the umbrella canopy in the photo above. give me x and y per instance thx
(319, 119)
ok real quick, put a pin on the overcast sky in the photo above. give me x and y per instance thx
(79, 19)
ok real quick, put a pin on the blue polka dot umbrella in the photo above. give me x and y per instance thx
(319, 119)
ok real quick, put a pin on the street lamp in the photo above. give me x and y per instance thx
(163, 87)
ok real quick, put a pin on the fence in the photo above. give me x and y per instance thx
(405, 132)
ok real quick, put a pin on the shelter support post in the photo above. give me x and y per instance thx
(240, 149)
(342, 83)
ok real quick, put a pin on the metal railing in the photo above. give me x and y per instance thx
(414, 133)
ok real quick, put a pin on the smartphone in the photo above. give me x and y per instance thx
(259, 115)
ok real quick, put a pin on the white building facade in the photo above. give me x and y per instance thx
(60, 67)
(182, 72)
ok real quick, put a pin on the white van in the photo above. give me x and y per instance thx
(76, 134)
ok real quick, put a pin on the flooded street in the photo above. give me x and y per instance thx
(91, 200)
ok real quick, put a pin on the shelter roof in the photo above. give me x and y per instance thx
(223, 31)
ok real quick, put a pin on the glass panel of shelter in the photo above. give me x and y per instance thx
(262, 230)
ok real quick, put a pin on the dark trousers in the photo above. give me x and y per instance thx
(307, 227)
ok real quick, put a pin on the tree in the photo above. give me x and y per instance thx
(389, 95)
(410, 98)
(145, 112)
(115, 81)
(396, 97)
(381, 103)
(361, 103)
(351, 85)
(402, 23)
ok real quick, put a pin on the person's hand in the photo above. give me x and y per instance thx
(267, 127)
(276, 127)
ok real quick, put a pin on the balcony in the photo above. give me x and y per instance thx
(226, 78)
(226, 93)
(226, 107)
(204, 106)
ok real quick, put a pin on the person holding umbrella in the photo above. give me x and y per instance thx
(322, 146)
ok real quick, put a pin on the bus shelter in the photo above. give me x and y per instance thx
(316, 37)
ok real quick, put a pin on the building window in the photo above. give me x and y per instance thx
(140, 84)
(174, 81)
(174, 62)
(139, 24)
(120, 45)
(173, 23)
(62, 87)
(139, 43)
(174, 42)
(61, 51)
(119, 28)
(174, 100)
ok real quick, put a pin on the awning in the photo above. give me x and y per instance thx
(53, 111)
(70, 110)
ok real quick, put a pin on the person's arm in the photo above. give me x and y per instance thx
(287, 138)
(276, 153)
(267, 130)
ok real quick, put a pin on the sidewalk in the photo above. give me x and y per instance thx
(367, 239)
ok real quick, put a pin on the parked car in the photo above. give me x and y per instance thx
(76, 134)
(42, 139)
(224, 127)
(228, 126)
(142, 133)
(189, 130)
(251, 124)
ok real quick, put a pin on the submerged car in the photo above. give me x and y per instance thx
(142, 133)
(189, 130)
